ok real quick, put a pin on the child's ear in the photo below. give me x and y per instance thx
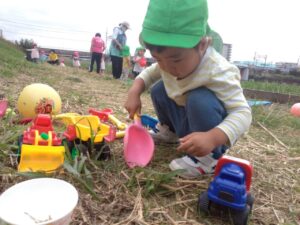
(204, 43)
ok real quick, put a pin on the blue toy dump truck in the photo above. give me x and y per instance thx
(229, 193)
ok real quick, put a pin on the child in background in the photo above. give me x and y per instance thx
(126, 62)
(35, 55)
(195, 91)
(102, 65)
(76, 60)
(139, 61)
(62, 63)
(53, 58)
(43, 56)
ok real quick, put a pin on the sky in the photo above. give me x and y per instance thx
(254, 27)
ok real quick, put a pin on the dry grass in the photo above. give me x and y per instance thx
(146, 196)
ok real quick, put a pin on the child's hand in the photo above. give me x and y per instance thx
(202, 143)
(133, 105)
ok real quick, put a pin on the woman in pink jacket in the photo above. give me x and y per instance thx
(97, 48)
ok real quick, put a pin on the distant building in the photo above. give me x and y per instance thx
(226, 52)
(286, 67)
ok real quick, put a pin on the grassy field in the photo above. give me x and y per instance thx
(111, 193)
(292, 89)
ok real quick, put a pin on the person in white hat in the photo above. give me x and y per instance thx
(118, 42)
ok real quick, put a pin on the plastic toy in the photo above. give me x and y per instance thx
(39, 147)
(138, 145)
(38, 99)
(39, 202)
(149, 122)
(87, 130)
(3, 107)
(105, 115)
(143, 62)
(295, 110)
(229, 191)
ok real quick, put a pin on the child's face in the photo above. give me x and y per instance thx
(181, 62)
(141, 52)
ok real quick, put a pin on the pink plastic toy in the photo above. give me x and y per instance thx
(138, 145)
(143, 62)
(3, 107)
(295, 110)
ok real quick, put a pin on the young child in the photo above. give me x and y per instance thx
(126, 62)
(102, 65)
(35, 55)
(76, 60)
(139, 61)
(196, 93)
(62, 63)
(53, 58)
(43, 56)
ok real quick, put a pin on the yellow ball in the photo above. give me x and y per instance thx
(38, 98)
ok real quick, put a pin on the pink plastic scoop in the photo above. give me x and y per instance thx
(138, 145)
(3, 107)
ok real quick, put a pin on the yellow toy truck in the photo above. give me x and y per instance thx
(39, 147)
(85, 133)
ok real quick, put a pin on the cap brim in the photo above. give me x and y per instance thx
(168, 39)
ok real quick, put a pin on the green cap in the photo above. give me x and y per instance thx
(175, 23)
(125, 51)
(140, 48)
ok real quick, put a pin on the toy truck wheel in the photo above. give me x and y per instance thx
(102, 151)
(241, 217)
(250, 201)
(203, 203)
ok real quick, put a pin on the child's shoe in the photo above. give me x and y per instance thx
(163, 135)
(194, 166)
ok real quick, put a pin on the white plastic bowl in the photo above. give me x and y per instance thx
(39, 201)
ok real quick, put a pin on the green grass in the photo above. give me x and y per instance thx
(11, 63)
(293, 89)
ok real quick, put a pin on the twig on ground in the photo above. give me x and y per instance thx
(136, 214)
(170, 218)
(180, 202)
(125, 175)
(273, 135)
(84, 218)
(277, 217)
(186, 213)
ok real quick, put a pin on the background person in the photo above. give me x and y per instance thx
(76, 60)
(102, 65)
(126, 62)
(62, 63)
(139, 60)
(97, 48)
(53, 58)
(43, 56)
(118, 42)
(35, 55)
(197, 93)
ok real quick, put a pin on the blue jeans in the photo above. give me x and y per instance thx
(202, 112)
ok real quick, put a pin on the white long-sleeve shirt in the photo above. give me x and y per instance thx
(217, 74)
